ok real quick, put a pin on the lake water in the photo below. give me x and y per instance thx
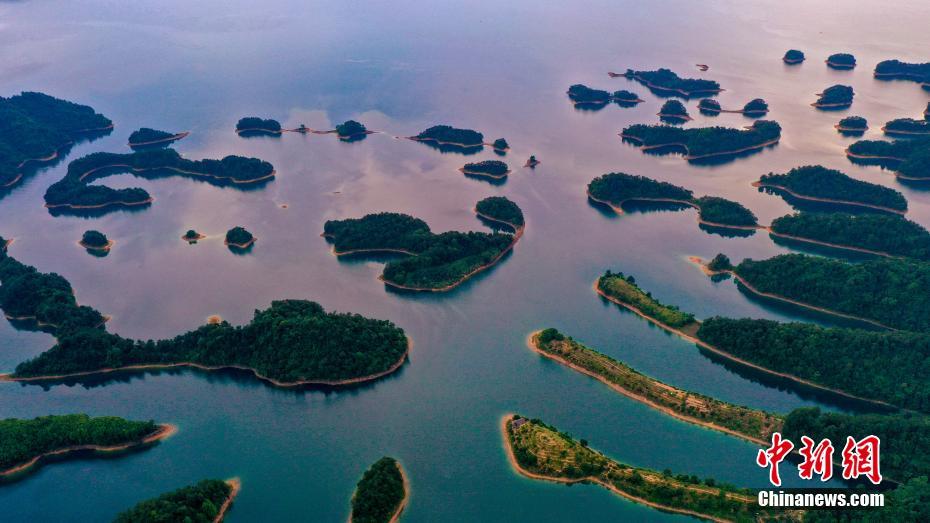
(399, 67)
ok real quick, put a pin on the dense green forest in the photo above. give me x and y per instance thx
(704, 141)
(907, 126)
(709, 106)
(438, 261)
(291, 341)
(94, 239)
(674, 109)
(23, 439)
(819, 182)
(854, 123)
(624, 289)
(47, 297)
(888, 233)
(885, 366)
(911, 156)
(835, 96)
(890, 291)
(905, 436)
(720, 210)
(908, 503)
(36, 125)
(350, 128)
(445, 133)
(254, 124)
(75, 188)
(198, 503)
(500, 145)
(841, 61)
(793, 56)
(145, 135)
(580, 93)
(492, 168)
(379, 493)
(667, 81)
(238, 236)
(720, 262)
(903, 71)
(502, 209)
(626, 97)
(756, 106)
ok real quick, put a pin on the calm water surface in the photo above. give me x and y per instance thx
(400, 67)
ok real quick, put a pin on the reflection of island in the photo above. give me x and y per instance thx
(835, 97)
(793, 56)
(705, 142)
(816, 183)
(673, 111)
(239, 238)
(907, 127)
(852, 125)
(53, 436)
(540, 451)
(909, 158)
(44, 128)
(664, 81)
(95, 241)
(617, 189)
(381, 494)
(146, 137)
(76, 192)
(208, 500)
(841, 61)
(433, 262)
(494, 169)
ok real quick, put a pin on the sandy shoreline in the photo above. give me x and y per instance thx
(403, 502)
(245, 245)
(101, 248)
(485, 175)
(235, 485)
(842, 129)
(619, 210)
(164, 431)
(828, 200)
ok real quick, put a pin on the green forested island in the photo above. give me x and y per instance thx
(841, 61)
(883, 290)
(624, 290)
(704, 142)
(75, 190)
(436, 262)
(615, 189)
(754, 425)
(292, 342)
(495, 169)
(500, 145)
(192, 236)
(501, 209)
(907, 126)
(540, 451)
(239, 237)
(898, 70)
(853, 125)
(884, 233)
(624, 97)
(94, 240)
(835, 97)
(674, 111)
(146, 136)
(350, 129)
(909, 158)
(381, 493)
(667, 82)
(756, 107)
(24, 441)
(253, 125)
(582, 94)
(709, 106)
(446, 135)
(793, 56)
(815, 182)
(204, 502)
(36, 126)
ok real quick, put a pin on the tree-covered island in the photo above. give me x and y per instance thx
(665, 81)
(907, 127)
(447, 135)
(909, 158)
(585, 97)
(75, 192)
(703, 142)
(852, 125)
(351, 129)
(494, 169)
(755, 108)
(501, 209)
(841, 61)
(205, 502)
(875, 233)
(898, 70)
(24, 443)
(255, 126)
(674, 111)
(37, 128)
(192, 236)
(540, 451)
(835, 97)
(616, 189)
(381, 494)
(819, 184)
(239, 237)
(434, 262)
(146, 137)
(793, 56)
(95, 240)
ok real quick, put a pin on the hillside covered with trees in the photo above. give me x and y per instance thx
(199, 503)
(379, 493)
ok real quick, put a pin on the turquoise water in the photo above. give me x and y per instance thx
(400, 67)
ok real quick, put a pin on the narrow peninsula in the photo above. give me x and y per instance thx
(26, 443)
(702, 143)
(206, 501)
(880, 234)
(815, 183)
(381, 494)
(539, 451)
